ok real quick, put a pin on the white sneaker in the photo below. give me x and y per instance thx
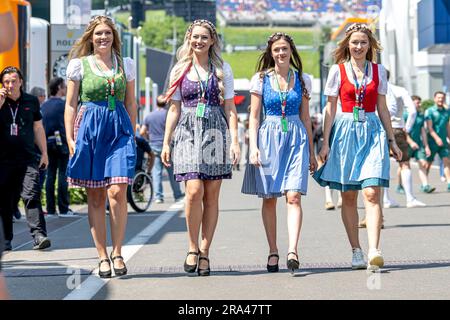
(358, 259)
(376, 260)
(415, 203)
(339, 203)
(69, 213)
(390, 204)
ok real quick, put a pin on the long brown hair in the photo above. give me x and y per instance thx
(267, 63)
(342, 52)
(84, 46)
(185, 55)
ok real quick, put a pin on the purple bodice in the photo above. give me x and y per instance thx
(190, 92)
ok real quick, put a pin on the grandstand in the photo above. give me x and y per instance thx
(291, 12)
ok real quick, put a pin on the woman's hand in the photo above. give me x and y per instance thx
(165, 155)
(312, 163)
(396, 151)
(255, 157)
(235, 153)
(71, 145)
(323, 154)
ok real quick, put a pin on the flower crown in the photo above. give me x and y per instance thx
(357, 27)
(199, 22)
(100, 16)
(277, 35)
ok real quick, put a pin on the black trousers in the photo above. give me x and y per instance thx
(57, 164)
(31, 196)
(11, 180)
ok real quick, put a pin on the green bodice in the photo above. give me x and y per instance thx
(96, 88)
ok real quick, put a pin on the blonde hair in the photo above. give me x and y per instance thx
(342, 53)
(185, 55)
(84, 46)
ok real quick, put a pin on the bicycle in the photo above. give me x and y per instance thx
(140, 193)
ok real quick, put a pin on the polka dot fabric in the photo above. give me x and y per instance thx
(272, 102)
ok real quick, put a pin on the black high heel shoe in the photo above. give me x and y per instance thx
(119, 271)
(104, 274)
(274, 267)
(203, 272)
(293, 264)
(190, 268)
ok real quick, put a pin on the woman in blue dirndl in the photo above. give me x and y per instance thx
(101, 136)
(355, 147)
(281, 148)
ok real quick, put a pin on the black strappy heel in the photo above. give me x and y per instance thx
(274, 267)
(119, 271)
(190, 268)
(293, 264)
(203, 272)
(104, 274)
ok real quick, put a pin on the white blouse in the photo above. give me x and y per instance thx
(228, 83)
(75, 69)
(334, 79)
(256, 84)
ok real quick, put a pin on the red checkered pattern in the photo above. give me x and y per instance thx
(73, 183)
(77, 123)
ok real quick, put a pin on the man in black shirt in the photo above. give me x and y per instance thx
(20, 129)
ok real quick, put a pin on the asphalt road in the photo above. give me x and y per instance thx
(414, 243)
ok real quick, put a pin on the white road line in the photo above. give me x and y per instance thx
(89, 288)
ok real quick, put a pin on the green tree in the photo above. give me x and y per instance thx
(426, 104)
(158, 32)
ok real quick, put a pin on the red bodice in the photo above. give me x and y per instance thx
(347, 91)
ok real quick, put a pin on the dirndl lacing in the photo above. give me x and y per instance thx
(284, 158)
(202, 145)
(359, 155)
(105, 151)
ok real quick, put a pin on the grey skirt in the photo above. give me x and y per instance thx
(202, 145)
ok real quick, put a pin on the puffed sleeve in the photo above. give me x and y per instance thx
(256, 84)
(383, 82)
(177, 94)
(333, 82)
(130, 68)
(308, 82)
(228, 81)
(74, 70)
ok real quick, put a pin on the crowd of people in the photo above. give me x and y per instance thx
(90, 140)
(333, 6)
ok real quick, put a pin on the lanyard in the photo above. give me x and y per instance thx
(13, 114)
(202, 90)
(283, 94)
(360, 89)
(112, 80)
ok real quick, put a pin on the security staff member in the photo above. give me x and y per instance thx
(20, 129)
